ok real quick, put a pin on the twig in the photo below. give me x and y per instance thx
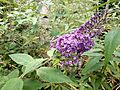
(106, 9)
(72, 86)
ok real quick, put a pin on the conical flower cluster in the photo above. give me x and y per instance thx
(74, 44)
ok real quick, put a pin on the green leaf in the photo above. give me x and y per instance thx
(93, 53)
(13, 84)
(82, 87)
(13, 74)
(4, 79)
(31, 66)
(51, 52)
(52, 75)
(98, 82)
(112, 40)
(22, 59)
(30, 84)
(92, 65)
(5, 1)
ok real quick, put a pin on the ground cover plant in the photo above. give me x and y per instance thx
(59, 45)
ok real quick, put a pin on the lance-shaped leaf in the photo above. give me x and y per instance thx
(92, 65)
(112, 40)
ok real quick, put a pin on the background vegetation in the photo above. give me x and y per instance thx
(26, 61)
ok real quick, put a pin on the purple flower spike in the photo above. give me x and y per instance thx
(74, 44)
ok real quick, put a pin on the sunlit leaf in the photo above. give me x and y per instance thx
(22, 59)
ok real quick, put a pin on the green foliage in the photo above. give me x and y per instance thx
(93, 52)
(30, 84)
(69, 15)
(13, 84)
(92, 65)
(26, 63)
(52, 75)
(4, 79)
(13, 74)
(31, 66)
(112, 40)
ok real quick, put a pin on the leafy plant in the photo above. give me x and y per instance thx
(27, 29)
